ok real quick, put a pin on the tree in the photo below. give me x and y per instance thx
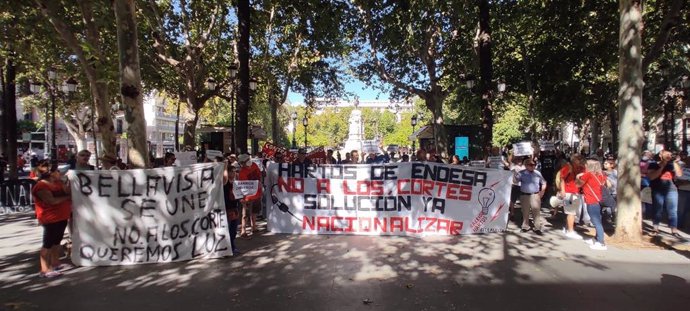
(130, 81)
(190, 44)
(415, 47)
(80, 32)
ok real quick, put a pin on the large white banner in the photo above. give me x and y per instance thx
(394, 199)
(147, 216)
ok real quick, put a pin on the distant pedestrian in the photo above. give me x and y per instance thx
(251, 205)
(109, 162)
(570, 193)
(82, 161)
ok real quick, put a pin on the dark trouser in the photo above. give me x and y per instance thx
(665, 199)
(233, 232)
(53, 233)
(594, 211)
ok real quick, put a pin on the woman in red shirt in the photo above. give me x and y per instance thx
(250, 204)
(591, 181)
(53, 209)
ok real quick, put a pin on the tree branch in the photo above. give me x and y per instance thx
(92, 34)
(158, 37)
(380, 68)
(670, 21)
(204, 37)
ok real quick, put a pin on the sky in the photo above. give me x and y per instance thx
(355, 86)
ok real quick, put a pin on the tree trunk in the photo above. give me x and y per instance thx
(435, 104)
(596, 136)
(190, 130)
(275, 123)
(130, 82)
(613, 118)
(243, 100)
(629, 221)
(10, 102)
(485, 71)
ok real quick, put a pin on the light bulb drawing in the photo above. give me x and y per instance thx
(486, 197)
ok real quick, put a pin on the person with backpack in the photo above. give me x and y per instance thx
(591, 181)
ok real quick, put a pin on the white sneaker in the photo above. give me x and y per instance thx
(598, 246)
(589, 242)
(573, 235)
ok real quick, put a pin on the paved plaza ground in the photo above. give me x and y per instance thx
(498, 271)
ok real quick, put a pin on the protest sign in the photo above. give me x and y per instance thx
(244, 188)
(269, 150)
(370, 146)
(523, 149)
(547, 145)
(317, 156)
(185, 158)
(15, 196)
(393, 199)
(148, 216)
(212, 154)
(478, 163)
(495, 162)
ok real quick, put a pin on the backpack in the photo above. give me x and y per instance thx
(606, 199)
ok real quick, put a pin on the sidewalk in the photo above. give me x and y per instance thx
(498, 271)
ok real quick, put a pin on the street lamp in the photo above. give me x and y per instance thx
(252, 84)
(294, 127)
(305, 122)
(232, 69)
(413, 121)
(469, 81)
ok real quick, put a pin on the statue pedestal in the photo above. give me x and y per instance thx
(356, 133)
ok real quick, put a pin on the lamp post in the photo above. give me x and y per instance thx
(413, 121)
(684, 85)
(305, 122)
(294, 128)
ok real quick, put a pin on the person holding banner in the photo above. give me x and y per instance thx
(53, 209)
(302, 157)
(251, 205)
(169, 159)
(532, 187)
(231, 203)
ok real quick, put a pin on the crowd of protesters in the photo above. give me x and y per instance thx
(576, 184)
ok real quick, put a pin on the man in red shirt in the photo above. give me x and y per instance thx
(251, 205)
(570, 193)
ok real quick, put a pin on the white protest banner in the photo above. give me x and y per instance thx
(523, 149)
(547, 145)
(244, 188)
(370, 146)
(147, 216)
(478, 163)
(185, 158)
(415, 199)
(212, 154)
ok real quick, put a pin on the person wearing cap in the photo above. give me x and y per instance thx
(532, 187)
(251, 205)
(302, 157)
(53, 208)
(82, 162)
(109, 162)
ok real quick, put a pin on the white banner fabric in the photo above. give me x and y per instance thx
(416, 199)
(185, 158)
(147, 216)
